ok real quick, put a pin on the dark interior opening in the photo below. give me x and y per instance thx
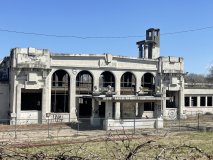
(202, 101)
(31, 99)
(149, 106)
(209, 101)
(102, 110)
(107, 79)
(59, 102)
(84, 83)
(85, 108)
(128, 82)
(186, 101)
(148, 81)
(60, 92)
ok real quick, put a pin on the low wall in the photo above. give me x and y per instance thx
(196, 110)
(112, 124)
(35, 117)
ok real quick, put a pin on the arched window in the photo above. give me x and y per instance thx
(128, 83)
(106, 79)
(60, 92)
(84, 83)
(148, 81)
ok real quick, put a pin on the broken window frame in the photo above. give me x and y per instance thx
(148, 85)
(107, 79)
(84, 83)
(60, 88)
(128, 84)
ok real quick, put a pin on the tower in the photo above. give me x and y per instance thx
(150, 48)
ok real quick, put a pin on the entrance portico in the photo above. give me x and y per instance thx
(131, 110)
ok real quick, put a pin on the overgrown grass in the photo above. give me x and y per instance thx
(117, 147)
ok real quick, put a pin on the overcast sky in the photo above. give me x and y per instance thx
(110, 18)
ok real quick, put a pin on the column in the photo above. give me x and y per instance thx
(206, 98)
(190, 101)
(72, 106)
(108, 110)
(145, 51)
(43, 103)
(117, 90)
(140, 109)
(163, 103)
(96, 76)
(12, 99)
(138, 84)
(198, 101)
(181, 102)
(18, 101)
(95, 119)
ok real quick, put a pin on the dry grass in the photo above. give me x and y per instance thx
(111, 148)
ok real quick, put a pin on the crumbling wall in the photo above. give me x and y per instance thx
(4, 101)
(4, 66)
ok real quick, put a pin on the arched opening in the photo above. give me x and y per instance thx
(107, 79)
(148, 82)
(84, 83)
(60, 92)
(128, 82)
(84, 86)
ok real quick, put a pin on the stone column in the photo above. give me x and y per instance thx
(18, 101)
(198, 101)
(206, 99)
(108, 110)
(145, 51)
(163, 104)
(117, 90)
(44, 102)
(190, 101)
(96, 76)
(72, 105)
(140, 109)
(181, 102)
(95, 119)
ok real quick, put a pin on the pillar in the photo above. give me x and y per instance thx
(18, 100)
(140, 109)
(72, 105)
(163, 103)
(190, 101)
(117, 90)
(145, 51)
(108, 110)
(198, 101)
(95, 119)
(181, 102)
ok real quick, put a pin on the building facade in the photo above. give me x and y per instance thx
(112, 91)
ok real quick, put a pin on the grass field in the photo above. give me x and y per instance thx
(178, 145)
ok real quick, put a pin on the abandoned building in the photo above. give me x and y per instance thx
(112, 91)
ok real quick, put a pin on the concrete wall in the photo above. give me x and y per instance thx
(111, 124)
(4, 101)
